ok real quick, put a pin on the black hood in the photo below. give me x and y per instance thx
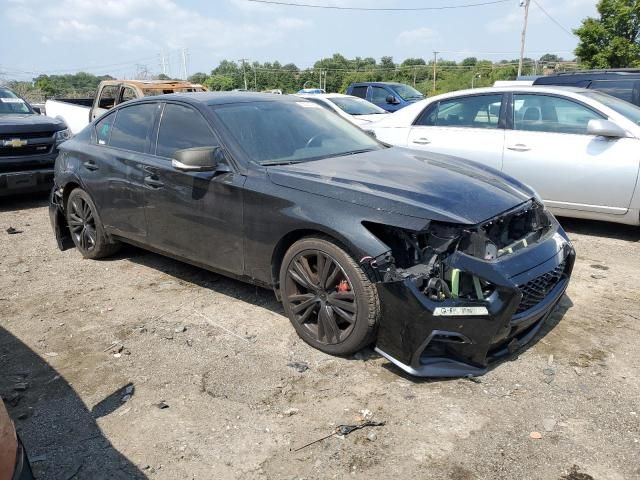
(408, 182)
(27, 123)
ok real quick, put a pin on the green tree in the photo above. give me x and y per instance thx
(199, 77)
(611, 41)
(219, 83)
(550, 58)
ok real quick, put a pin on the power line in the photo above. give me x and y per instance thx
(369, 9)
(553, 19)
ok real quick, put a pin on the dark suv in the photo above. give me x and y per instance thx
(386, 95)
(621, 83)
(28, 146)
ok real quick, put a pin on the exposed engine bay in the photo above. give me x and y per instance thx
(422, 256)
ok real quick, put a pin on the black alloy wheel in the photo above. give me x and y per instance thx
(82, 224)
(86, 228)
(328, 298)
(320, 296)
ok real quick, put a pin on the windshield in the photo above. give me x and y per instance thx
(626, 109)
(11, 103)
(273, 133)
(407, 92)
(356, 106)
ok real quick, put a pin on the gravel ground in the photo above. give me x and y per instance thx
(143, 367)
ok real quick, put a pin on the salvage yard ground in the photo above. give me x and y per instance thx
(143, 367)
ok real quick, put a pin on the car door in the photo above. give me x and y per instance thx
(194, 215)
(470, 127)
(123, 140)
(549, 148)
(105, 100)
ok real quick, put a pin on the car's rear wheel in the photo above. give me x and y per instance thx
(329, 299)
(86, 228)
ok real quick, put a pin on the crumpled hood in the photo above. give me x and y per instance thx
(26, 123)
(409, 182)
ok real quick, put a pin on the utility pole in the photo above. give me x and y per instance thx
(525, 4)
(244, 72)
(185, 56)
(435, 62)
(163, 62)
(255, 78)
(414, 76)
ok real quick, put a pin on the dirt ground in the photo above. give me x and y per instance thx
(143, 367)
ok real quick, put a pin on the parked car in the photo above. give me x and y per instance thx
(579, 149)
(78, 112)
(28, 146)
(354, 109)
(445, 264)
(388, 96)
(620, 83)
(14, 464)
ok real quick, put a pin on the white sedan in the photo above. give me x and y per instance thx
(579, 149)
(354, 109)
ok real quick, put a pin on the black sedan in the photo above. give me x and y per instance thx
(444, 264)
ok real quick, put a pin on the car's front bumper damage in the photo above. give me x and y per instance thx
(454, 336)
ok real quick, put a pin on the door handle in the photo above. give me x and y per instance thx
(519, 147)
(90, 165)
(153, 182)
(422, 141)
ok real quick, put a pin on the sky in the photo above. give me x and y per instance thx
(120, 37)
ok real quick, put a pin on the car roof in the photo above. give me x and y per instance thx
(326, 95)
(362, 84)
(512, 88)
(222, 98)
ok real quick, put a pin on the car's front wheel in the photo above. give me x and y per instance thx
(329, 299)
(86, 228)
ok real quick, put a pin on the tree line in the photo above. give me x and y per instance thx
(334, 74)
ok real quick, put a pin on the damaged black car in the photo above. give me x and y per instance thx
(443, 264)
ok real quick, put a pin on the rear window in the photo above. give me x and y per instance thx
(359, 92)
(627, 90)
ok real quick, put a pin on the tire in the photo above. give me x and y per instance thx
(320, 284)
(86, 227)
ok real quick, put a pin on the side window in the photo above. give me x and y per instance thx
(542, 113)
(182, 127)
(132, 127)
(108, 96)
(128, 93)
(428, 117)
(359, 92)
(622, 89)
(379, 95)
(103, 129)
(478, 111)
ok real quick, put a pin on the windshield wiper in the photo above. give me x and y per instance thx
(272, 163)
(352, 152)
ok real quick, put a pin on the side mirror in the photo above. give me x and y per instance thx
(392, 100)
(198, 159)
(605, 128)
(38, 110)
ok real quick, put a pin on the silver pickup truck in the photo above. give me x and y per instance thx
(78, 112)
